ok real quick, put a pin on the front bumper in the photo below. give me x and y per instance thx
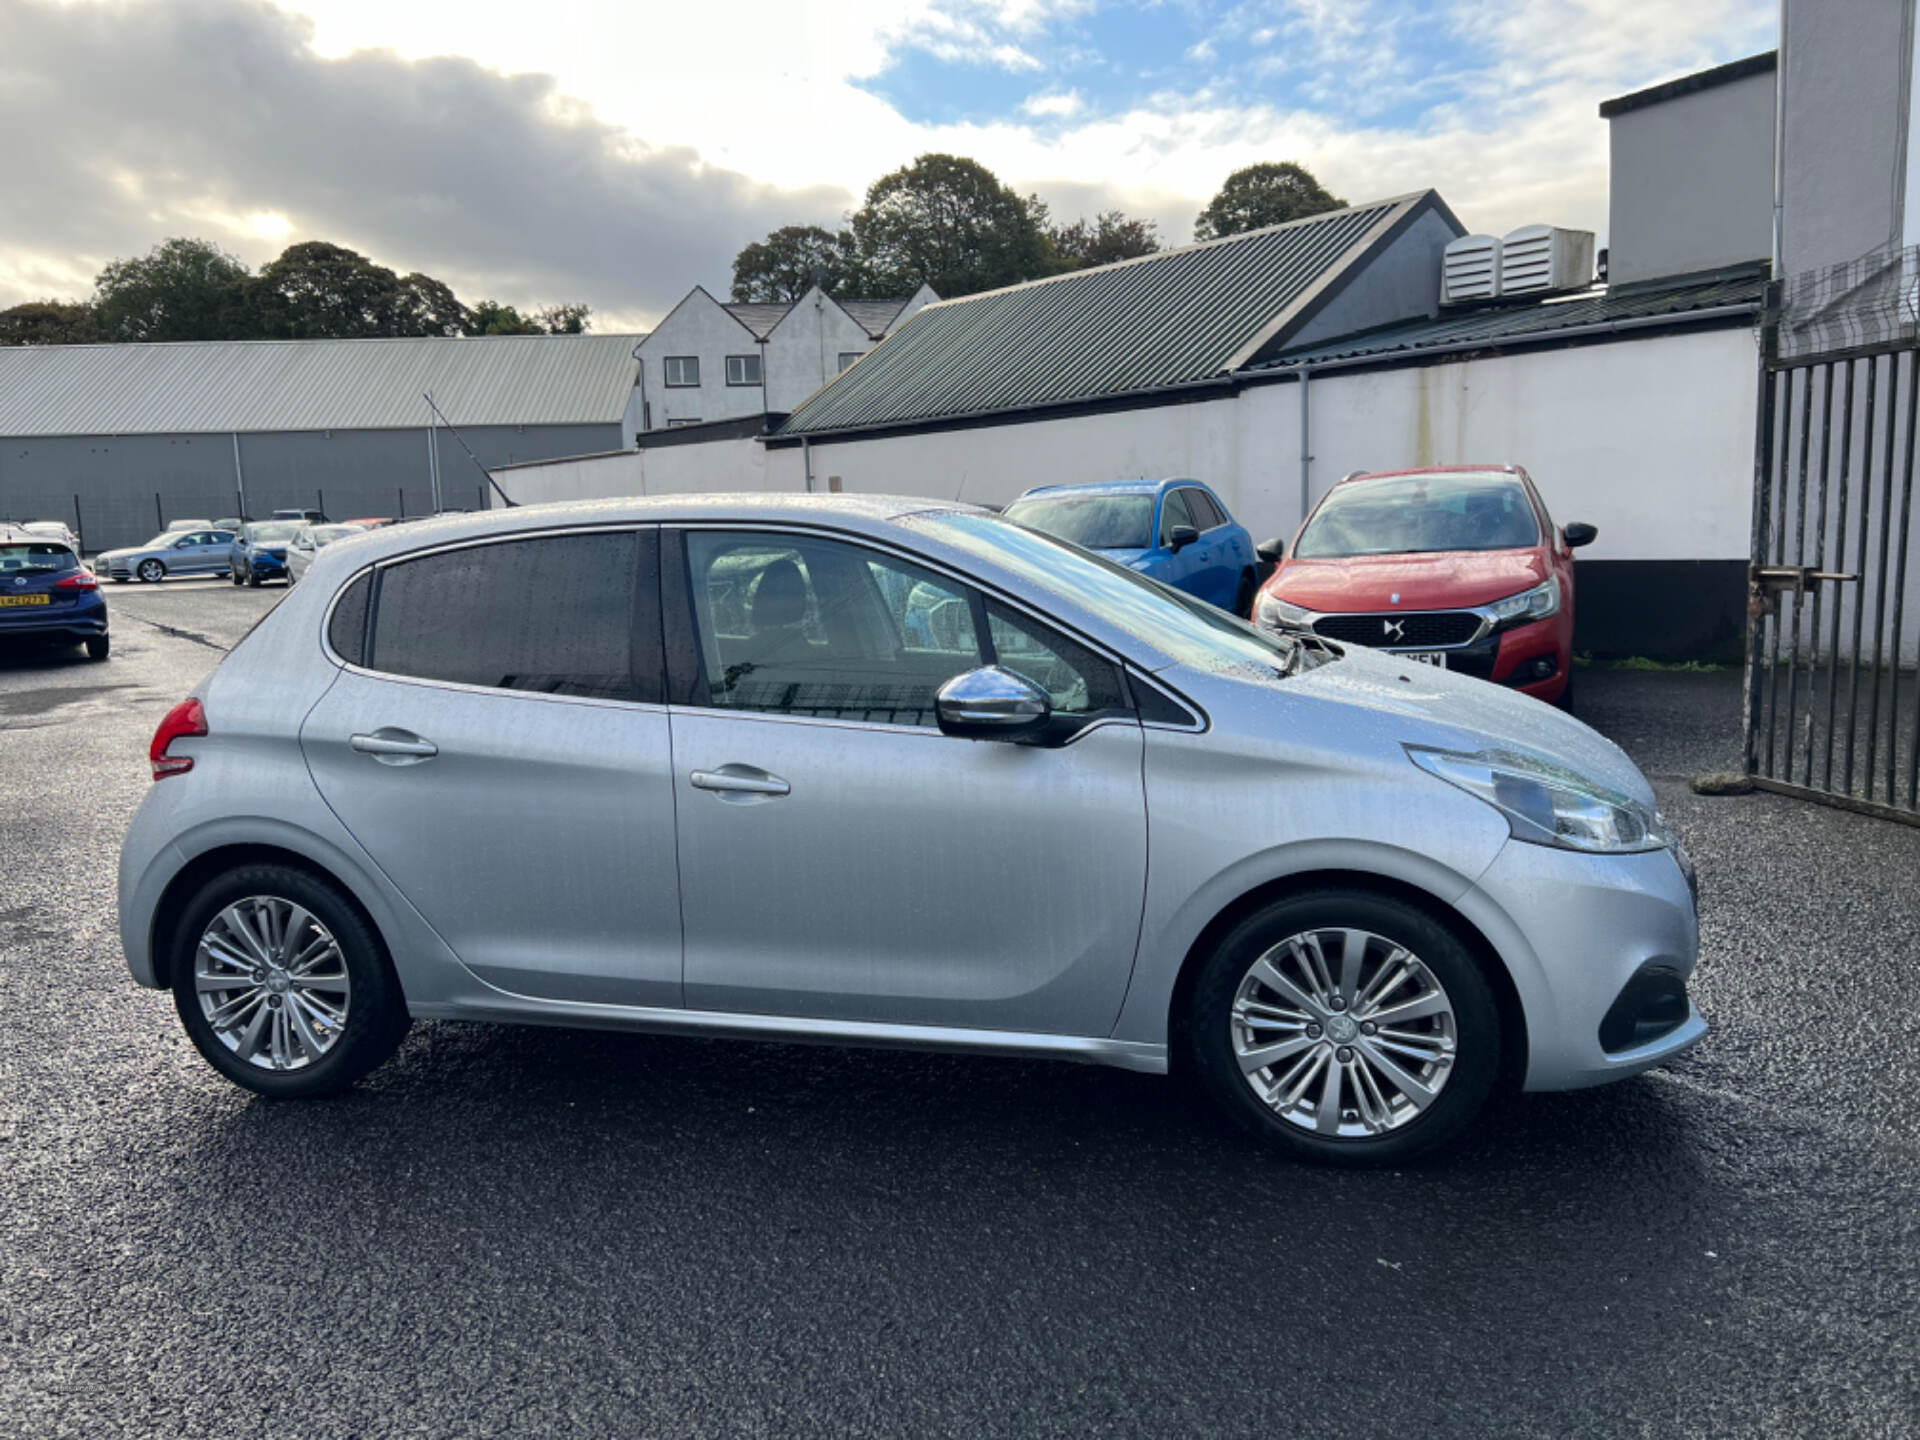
(266, 563)
(1575, 930)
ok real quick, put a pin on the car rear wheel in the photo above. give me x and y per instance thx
(1346, 1027)
(151, 571)
(282, 985)
(97, 647)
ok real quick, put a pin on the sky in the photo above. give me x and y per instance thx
(617, 152)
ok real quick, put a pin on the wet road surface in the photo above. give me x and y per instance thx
(541, 1231)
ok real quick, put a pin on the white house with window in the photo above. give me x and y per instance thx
(709, 360)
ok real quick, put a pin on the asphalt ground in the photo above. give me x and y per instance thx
(524, 1231)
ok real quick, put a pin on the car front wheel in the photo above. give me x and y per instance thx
(1346, 1027)
(282, 984)
(151, 571)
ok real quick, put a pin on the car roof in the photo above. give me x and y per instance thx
(1140, 486)
(1515, 472)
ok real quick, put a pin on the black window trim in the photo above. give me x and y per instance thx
(693, 384)
(687, 687)
(643, 622)
(727, 373)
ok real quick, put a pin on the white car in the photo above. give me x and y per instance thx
(53, 530)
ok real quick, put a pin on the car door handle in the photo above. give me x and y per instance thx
(394, 747)
(740, 780)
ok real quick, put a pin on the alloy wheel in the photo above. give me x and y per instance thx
(1343, 1033)
(151, 570)
(272, 983)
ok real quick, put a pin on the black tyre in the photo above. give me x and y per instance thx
(152, 571)
(253, 578)
(282, 985)
(1243, 598)
(1378, 1031)
(234, 575)
(118, 579)
(98, 647)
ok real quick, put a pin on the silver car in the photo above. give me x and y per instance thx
(309, 541)
(891, 772)
(172, 552)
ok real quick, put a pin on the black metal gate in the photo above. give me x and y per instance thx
(1832, 696)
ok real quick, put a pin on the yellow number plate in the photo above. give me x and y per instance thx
(6, 600)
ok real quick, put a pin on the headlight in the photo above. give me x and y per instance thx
(1270, 612)
(1535, 604)
(1546, 805)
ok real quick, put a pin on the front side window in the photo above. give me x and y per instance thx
(682, 370)
(1077, 681)
(1173, 511)
(552, 615)
(1420, 514)
(794, 625)
(1206, 514)
(1099, 522)
(743, 370)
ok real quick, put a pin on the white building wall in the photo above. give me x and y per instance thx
(1650, 439)
(804, 350)
(697, 326)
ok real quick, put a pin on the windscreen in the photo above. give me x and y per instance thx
(273, 532)
(35, 558)
(327, 534)
(1420, 514)
(1099, 522)
(1175, 623)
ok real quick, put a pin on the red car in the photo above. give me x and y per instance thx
(1458, 566)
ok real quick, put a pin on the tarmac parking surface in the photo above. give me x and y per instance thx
(544, 1231)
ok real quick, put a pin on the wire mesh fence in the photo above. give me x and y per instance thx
(108, 522)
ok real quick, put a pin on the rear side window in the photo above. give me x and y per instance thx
(347, 631)
(552, 615)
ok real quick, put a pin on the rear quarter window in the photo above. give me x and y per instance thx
(551, 615)
(347, 630)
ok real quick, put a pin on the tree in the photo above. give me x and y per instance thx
(49, 322)
(947, 222)
(421, 305)
(1270, 193)
(182, 289)
(784, 265)
(575, 319)
(1110, 236)
(320, 291)
(490, 317)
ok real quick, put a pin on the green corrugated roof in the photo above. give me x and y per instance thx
(1538, 321)
(1179, 317)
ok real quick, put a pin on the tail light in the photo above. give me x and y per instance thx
(82, 581)
(188, 718)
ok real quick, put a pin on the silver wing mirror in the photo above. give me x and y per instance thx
(991, 704)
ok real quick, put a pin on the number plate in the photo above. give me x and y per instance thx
(1435, 658)
(6, 600)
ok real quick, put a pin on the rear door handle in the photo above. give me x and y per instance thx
(741, 780)
(395, 747)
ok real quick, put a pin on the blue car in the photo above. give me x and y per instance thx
(47, 595)
(260, 550)
(1176, 531)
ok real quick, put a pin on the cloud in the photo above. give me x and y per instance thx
(1057, 105)
(217, 118)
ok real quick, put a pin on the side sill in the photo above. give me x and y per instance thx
(1136, 1055)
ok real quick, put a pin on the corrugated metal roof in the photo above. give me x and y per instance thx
(1513, 324)
(254, 385)
(1177, 317)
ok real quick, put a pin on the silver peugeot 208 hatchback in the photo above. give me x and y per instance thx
(890, 772)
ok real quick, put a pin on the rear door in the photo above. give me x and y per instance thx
(499, 749)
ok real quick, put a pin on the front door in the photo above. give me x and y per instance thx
(499, 756)
(839, 856)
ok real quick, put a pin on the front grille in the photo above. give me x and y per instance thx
(1414, 630)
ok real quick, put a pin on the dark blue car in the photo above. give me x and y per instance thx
(46, 594)
(260, 550)
(1177, 531)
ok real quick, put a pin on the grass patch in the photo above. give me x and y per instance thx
(1586, 661)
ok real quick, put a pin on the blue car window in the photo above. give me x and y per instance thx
(1173, 511)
